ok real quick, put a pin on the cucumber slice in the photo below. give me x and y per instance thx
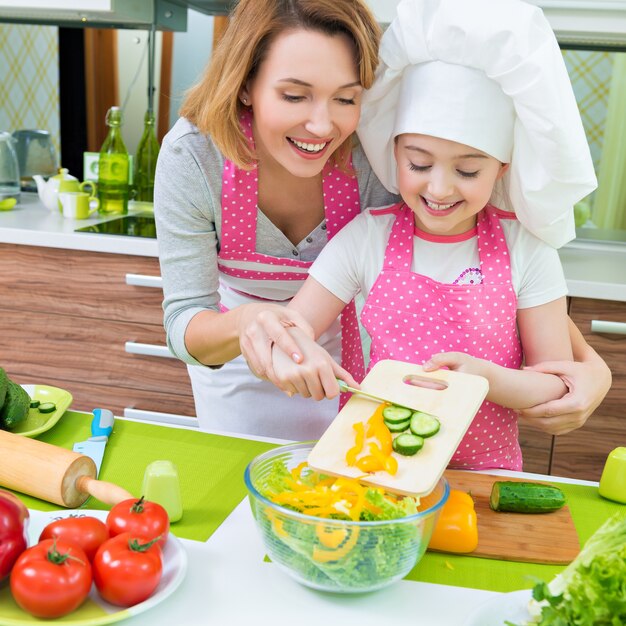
(397, 427)
(396, 414)
(408, 444)
(34, 404)
(47, 407)
(424, 424)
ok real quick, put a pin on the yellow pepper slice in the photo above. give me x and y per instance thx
(370, 463)
(330, 537)
(353, 452)
(325, 556)
(456, 529)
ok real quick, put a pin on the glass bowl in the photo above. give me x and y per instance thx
(337, 555)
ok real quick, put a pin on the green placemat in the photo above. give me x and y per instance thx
(589, 511)
(210, 467)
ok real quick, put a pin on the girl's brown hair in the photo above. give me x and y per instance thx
(213, 103)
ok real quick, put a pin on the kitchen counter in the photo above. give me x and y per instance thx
(31, 223)
(229, 580)
(593, 269)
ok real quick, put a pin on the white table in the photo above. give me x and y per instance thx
(228, 582)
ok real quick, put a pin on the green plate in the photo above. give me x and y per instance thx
(37, 422)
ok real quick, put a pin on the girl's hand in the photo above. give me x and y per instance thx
(264, 325)
(456, 361)
(316, 377)
(587, 382)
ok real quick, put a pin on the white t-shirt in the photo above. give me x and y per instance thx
(351, 261)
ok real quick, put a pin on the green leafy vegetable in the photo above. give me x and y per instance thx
(591, 590)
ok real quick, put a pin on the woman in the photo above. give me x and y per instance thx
(251, 183)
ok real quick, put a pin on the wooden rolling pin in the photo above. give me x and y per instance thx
(51, 473)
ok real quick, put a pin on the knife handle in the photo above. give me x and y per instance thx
(108, 493)
(102, 423)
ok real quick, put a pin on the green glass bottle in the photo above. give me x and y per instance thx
(145, 161)
(113, 168)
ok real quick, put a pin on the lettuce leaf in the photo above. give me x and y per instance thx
(591, 590)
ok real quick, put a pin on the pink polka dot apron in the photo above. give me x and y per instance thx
(231, 398)
(410, 317)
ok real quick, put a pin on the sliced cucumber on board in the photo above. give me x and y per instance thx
(424, 424)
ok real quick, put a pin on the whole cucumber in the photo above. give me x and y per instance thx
(525, 497)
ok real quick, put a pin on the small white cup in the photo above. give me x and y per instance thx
(78, 205)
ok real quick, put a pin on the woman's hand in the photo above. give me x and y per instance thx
(263, 325)
(587, 382)
(316, 377)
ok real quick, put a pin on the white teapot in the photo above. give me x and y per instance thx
(49, 190)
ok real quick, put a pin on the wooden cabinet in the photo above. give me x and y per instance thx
(582, 453)
(68, 318)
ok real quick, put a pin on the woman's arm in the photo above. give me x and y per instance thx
(186, 207)
(588, 380)
(543, 332)
(316, 375)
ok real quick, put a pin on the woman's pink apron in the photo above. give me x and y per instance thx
(232, 399)
(410, 317)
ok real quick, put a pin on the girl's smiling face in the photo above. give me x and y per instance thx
(306, 99)
(443, 182)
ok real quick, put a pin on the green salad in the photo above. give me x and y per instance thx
(328, 553)
(591, 590)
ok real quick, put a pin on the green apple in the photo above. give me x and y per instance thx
(613, 479)
(582, 213)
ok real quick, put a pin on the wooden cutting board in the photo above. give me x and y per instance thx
(541, 538)
(455, 406)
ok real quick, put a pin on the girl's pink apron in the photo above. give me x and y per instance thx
(410, 317)
(232, 399)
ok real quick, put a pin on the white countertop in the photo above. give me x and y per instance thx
(593, 269)
(31, 223)
(228, 581)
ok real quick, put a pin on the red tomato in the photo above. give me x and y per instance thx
(87, 532)
(12, 535)
(127, 569)
(51, 579)
(141, 518)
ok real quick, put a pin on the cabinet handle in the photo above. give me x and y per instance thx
(148, 349)
(142, 280)
(612, 328)
(163, 418)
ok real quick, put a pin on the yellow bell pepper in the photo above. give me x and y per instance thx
(456, 529)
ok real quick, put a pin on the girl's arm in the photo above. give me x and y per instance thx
(588, 380)
(543, 332)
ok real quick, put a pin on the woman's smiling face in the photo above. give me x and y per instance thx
(306, 100)
(443, 182)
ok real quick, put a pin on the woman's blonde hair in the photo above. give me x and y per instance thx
(213, 103)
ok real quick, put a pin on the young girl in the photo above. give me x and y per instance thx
(449, 279)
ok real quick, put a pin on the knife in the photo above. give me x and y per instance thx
(101, 428)
(344, 388)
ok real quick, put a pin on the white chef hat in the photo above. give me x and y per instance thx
(488, 74)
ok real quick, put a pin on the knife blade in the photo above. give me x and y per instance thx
(101, 428)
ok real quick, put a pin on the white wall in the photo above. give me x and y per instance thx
(384, 10)
(132, 61)
(192, 50)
